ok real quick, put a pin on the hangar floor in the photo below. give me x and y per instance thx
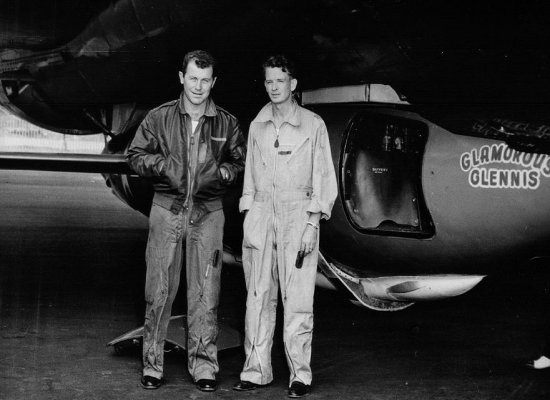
(71, 279)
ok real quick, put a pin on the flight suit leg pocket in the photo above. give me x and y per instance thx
(294, 222)
(156, 279)
(254, 227)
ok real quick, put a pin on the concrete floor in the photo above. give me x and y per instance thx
(71, 279)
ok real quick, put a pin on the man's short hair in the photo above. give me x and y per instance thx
(280, 61)
(202, 58)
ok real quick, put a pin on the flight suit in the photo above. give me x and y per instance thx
(202, 233)
(289, 173)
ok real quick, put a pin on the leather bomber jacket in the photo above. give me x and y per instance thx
(159, 150)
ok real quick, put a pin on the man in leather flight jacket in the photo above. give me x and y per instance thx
(191, 150)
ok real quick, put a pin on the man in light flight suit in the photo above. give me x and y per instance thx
(289, 185)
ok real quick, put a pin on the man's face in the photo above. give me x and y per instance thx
(197, 83)
(279, 85)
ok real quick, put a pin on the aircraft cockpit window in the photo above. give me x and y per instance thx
(381, 176)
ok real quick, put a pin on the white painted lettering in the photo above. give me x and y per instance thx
(531, 167)
(465, 162)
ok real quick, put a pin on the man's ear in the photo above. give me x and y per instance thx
(180, 74)
(293, 84)
(214, 81)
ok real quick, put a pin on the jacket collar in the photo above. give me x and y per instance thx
(293, 118)
(209, 111)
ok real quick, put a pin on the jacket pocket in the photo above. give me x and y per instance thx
(209, 185)
(169, 181)
(216, 144)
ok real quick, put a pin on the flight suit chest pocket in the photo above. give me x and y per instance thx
(300, 152)
(260, 153)
(295, 163)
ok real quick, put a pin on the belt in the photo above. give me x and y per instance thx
(283, 195)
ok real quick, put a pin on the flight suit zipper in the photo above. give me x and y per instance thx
(275, 162)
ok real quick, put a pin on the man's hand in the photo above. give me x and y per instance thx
(309, 239)
(225, 175)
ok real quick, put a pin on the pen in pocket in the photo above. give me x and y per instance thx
(213, 263)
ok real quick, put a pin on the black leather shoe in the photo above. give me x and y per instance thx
(243, 386)
(298, 389)
(540, 363)
(150, 382)
(207, 385)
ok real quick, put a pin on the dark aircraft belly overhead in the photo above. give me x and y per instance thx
(64, 64)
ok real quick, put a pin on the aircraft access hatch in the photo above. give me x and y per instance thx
(381, 176)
